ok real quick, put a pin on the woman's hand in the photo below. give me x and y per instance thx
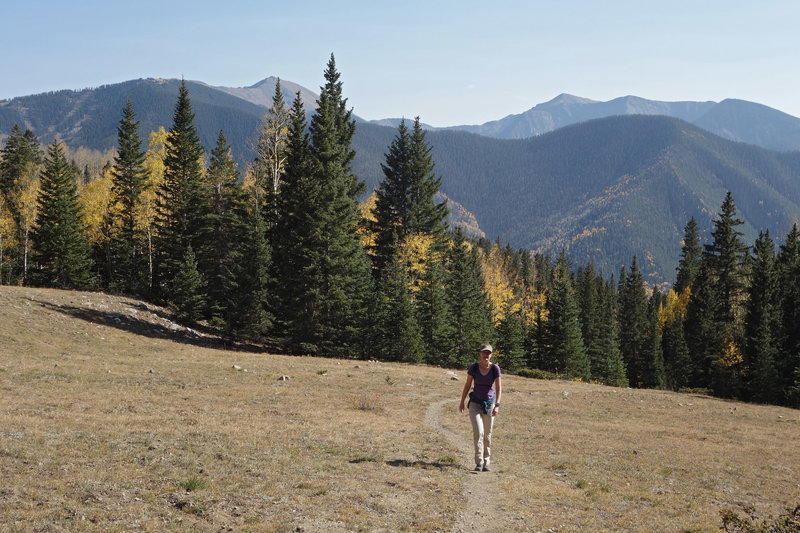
(461, 407)
(495, 410)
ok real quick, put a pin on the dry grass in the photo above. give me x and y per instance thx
(111, 421)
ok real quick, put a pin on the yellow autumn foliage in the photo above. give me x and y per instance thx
(95, 198)
(414, 254)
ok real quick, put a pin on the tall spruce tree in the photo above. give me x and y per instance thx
(182, 204)
(608, 364)
(510, 343)
(761, 325)
(467, 300)
(253, 300)
(726, 257)
(397, 334)
(405, 198)
(344, 294)
(128, 263)
(297, 242)
(634, 325)
(433, 312)
(61, 252)
(224, 233)
(691, 254)
(654, 375)
(563, 327)
(20, 159)
(788, 272)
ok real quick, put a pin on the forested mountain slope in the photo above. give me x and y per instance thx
(601, 190)
(608, 189)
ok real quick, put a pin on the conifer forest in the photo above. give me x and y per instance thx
(293, 254)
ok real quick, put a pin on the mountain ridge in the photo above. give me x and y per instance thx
(603, 189)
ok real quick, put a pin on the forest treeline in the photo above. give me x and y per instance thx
(285, 253)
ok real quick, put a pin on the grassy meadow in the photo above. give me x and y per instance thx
(112, 418)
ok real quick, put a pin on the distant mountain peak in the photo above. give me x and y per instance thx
(566, 98)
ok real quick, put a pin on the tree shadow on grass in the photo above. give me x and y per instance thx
(152, 328)
(441, 465)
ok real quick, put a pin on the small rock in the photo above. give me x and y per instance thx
(283, 378)
(453, 378)
(151, 371)
(565, 394)
(237, 367)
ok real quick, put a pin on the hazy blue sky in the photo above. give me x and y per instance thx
(450, 62)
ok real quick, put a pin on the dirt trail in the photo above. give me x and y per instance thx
(482, 509)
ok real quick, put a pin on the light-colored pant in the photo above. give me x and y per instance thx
(481, 433)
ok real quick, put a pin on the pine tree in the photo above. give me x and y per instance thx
(297, 240)
(397, 335)
(703, 336)
(61, 252)
(128, 261)
(608, 365)
(789, 281)
(677, 363)
(433, 312)
(20, 159)
(343, 296)
(253, 300)
(510, 345)
(467, 300)
(761, 325)
(691, 254)
(181, 205)
(223, 233)
(405, 198)
(788, 272)
(654, 375)
(634, 325)
(188, 296)
(726, 257)
(563, 328)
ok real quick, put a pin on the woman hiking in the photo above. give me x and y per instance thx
(484, 401)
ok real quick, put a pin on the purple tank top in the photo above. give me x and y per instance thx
(483, 385)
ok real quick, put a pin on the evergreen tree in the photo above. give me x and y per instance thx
(405, 204)
(181, 206)
(510, 345)
(224, 233)
(467, 300)
(788, 272)
(20, 159)
(761, 325)
(654, 375)
(634, 326)
(343, 296)
(397, 335)
(588, 285)
(726, 257)
(703, 336)
(128, 263)
(61, 252)
(691, 254)
(433, 312)
(297, 241)
(677, 363)
(253, 300)
(188, 296)
(563, 328)
(608, 365)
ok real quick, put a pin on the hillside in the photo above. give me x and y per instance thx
(115, 418)
(611, 188)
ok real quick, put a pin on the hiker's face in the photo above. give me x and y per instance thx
(486, 355)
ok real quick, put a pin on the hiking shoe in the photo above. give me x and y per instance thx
(478, 468)
(486, 468)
